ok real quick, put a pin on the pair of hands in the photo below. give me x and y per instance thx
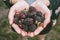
(24, 33)
(19, 30)
(21, 5)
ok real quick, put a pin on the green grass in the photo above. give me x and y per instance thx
(55, 32)
(57, 26)
(1, 3)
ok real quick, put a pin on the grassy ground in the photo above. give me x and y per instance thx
(7, 34)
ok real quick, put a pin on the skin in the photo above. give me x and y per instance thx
(46, 2)
(21, 5)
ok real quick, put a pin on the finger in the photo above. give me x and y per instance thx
(31, 34)
(38, 30)
(16, 28)
(28, 34)
(23, 33)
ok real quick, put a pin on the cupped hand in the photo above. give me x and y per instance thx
(15, 26)
(16, 9)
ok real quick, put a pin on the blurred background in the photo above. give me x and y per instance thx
(6, 33)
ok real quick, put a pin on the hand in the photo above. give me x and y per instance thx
(16, 27)
(45, 12)
(16, 9)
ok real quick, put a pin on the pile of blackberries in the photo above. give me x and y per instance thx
(29, 20)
